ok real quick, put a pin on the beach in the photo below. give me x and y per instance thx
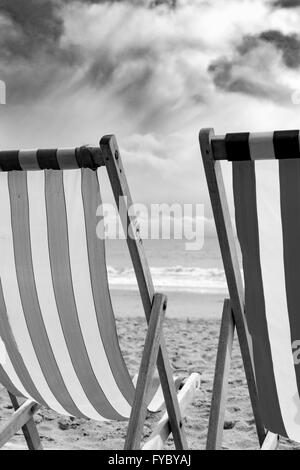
(195, 285)
(192, 348)
(168, 127)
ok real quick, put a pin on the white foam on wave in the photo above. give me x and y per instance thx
(174, 278)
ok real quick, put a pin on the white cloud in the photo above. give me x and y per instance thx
(142, 74)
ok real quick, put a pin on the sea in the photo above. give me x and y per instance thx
(193, 281)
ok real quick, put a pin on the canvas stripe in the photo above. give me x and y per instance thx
(44, 287)
(11, 381)
(289, 173)
(13, 302)
(58, 239)
(83, 294)
(273, 274)
(51, 159)
(237, 146)
(8, 375)
(47, 158)
(67, 159)
(247, 229)
(28, 160)
(286, 144)
(7, 383)
(17, 183)
(261, 145)
(9, 160)
(14, 365)
(101, 295)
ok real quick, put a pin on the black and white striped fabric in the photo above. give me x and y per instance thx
(50, 159)
(262, 146)
(267, 213)
(59, 343)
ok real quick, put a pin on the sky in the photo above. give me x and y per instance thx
(151, 72)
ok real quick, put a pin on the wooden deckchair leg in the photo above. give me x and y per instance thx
(218, 403)
(147, 367)
(29, 429)
(171, 399)
(118, 181)
(18, 420)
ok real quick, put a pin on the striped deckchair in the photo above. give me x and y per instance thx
(59, 344)
(264, 303)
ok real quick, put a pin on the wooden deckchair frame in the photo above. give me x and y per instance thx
(233, 311)
(155, 352)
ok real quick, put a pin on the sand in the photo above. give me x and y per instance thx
(192, 348)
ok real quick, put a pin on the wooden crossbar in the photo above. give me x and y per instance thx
(245, 146)
(163, 429)
(19, 419)
(29, 429)
(55, 159)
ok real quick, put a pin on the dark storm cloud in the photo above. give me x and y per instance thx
(34, 58)
(147, 3)
(32, 27)
(103, 67)
(29, 26)
(130, 72)
(224, 77)
(286, 3)
(287, 44)
(234, 74)
(40, 51)
(170, 3)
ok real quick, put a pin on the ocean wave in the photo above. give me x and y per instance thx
(174, 278)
